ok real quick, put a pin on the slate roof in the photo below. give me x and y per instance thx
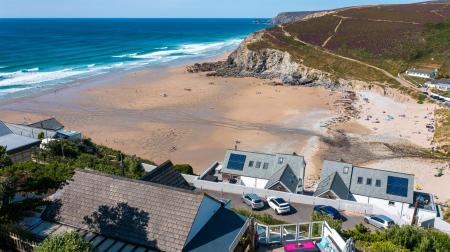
(441, 81)
(165, 174)
(421, 71)
(218, 233)
(49, 124)
(276, 162)
(13, 142)
(332, 183)
(28, 131)
(349, 175)
(287, 177)
(135, 211)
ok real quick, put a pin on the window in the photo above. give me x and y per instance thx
(391, 203)
(250, 164)
(280, 160)
(258, 164)
(346, 170)
(378, 183)
(266, 166)
(369, 181)
(360, 180)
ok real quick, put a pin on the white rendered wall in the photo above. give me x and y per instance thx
(254, 182)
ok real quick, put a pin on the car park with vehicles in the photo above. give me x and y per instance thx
(253, 200)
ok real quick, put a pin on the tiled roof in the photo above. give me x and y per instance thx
(13, 142)
(28, 131)
(49, 124)
(135, 211)
(441, 81)
(287, 177)
(332, 183)
(4, 130)
(165, 174)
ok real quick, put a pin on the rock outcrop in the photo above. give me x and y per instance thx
(265, 64)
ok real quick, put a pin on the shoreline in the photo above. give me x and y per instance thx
(167, 113)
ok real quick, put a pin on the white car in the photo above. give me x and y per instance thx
(279, 205)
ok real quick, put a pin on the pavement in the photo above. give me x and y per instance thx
(300, 212)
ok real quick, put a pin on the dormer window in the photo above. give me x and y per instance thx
(250, 164)
(258, 165)
(266, 166)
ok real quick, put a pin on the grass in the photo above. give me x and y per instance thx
(441, 92)
(260, 217)
(442, 133)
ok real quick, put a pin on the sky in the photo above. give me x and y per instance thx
(168, 8)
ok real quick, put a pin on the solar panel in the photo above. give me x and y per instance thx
(397, 186)
(236, 162)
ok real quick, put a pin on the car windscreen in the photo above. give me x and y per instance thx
(330, 210)
(280, 201)
(257, 200)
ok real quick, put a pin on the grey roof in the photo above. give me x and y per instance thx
(296, 163)
(332, 183)
(14, 142)
(165, 174)
(4, 130)
(441, 81)
(421, 71)
(24, 130)
(350, 178)
(286, 177)
(218, 233)
(135, 211)
(49, 124)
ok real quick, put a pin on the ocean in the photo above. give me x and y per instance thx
(39, 54)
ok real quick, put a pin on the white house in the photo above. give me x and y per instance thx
(389, 192)
(281, 172)
(421, 73)
(441, 84)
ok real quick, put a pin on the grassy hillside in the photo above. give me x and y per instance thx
(392, 37)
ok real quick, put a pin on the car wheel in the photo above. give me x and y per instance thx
(366, 221)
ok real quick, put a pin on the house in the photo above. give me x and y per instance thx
(421, 73)
(391, 192)
(441, 84)
(120, 214)
(165, 174)
(281, 172)
(19, 148)
(52, 128)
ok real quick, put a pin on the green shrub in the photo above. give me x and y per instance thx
(67, 242)
(184, 169)
(4, 159)
(334, 224)
(263, 218)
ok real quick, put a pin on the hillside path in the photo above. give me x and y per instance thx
(399, 80)
(335, 31)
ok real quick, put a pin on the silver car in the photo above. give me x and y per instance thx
(379, 221)
(253, 200)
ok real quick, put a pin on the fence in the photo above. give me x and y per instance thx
(14, 241)
(291, 197)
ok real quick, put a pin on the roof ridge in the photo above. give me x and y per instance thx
(137, 181)
(263, 153)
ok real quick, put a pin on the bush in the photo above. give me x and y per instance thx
(67, 242)
(263, 218)
(184, 169)
(334, 224)
(4, 159)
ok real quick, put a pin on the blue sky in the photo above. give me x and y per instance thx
(169, 8)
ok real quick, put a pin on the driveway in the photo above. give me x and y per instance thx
(300, 212)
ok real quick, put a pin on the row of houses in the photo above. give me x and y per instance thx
(20, 139)
(441, 84)
(393, 192)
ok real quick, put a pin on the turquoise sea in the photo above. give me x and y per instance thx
(37, 54)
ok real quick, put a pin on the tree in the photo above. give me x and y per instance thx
(41, 135)
(66, 242)
(4, 158)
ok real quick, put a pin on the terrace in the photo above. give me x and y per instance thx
(312, 236)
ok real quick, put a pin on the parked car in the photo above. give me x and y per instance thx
(328, 210)
(253, 200)
(379, 221)
(279, 205)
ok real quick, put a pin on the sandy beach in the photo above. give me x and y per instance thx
(167, 113)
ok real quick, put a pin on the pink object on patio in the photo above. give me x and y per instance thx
(299, 246)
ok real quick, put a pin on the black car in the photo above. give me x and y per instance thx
(328, 210)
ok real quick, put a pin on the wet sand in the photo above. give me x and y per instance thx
(166, 113)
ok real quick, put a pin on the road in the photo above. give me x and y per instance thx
(300, 213)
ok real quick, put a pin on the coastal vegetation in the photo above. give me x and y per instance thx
(442, 133)
(399, 238)
(263, 218)
(65, 242)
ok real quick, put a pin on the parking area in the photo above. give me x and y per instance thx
(299, 212)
